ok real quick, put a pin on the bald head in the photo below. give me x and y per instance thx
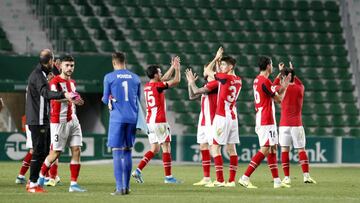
(46, 56)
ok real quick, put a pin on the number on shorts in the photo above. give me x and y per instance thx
(56, 138)
(272, 134)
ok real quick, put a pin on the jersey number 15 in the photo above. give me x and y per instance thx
(150, 99)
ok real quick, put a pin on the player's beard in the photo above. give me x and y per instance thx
(68, 73)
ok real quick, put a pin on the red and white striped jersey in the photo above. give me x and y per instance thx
(291, 104)
(62, 112)
(264, 90)
(208, 104)
(155, 102)
(229, 87)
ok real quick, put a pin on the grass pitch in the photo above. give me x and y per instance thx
(341, 184)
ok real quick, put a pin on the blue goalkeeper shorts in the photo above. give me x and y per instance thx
(121, 135)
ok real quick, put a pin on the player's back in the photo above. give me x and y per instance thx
(208, 103)
(264, 105)
(291, 104)
(155, 102)
(125, 90)
(229, 89)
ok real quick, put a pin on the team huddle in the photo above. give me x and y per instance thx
(217, 124)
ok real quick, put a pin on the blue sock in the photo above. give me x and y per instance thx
(128, 167)
(118, 169)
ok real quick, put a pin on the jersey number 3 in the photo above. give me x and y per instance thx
(232, 95)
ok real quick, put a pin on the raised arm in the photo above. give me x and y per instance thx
(170, 71)
(210, 69)
(176, 79)
(192, 96)
(191, 82)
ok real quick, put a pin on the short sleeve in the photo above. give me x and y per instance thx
(212, 85)
(53, 84)
(221, 77)
(161, 86)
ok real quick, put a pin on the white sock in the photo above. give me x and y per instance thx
(306, 175)
(245, 178)
(73, 183)
(277, 180)
(170, 176)
(21, 176)
(207, 178)
(288, 177)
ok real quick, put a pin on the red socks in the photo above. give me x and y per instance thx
(167, 163)
(74, 171)
(285, 163)
(145, 160)
(206, 162)
(53, 170)
(45, 168)
(255, 162)
(304, 161)
(233, 167)
(219, 168)
(25, 164)
(272, 163)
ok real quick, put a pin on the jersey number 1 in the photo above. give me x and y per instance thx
(126, 91)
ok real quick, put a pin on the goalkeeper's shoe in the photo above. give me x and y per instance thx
(121, 192)
(309, 180)
(171, 180)
(287, 180)
(215, 184)
(280, 185)
(50, 182)
(246, 184)
(230, 184)
(76, 188)
(20, 180)
(138, 176)
(203, 182)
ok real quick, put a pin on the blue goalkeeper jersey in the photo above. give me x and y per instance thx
(122, 89)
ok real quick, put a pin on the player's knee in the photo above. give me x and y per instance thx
(75, 151)
(204, 146)
(301, 150)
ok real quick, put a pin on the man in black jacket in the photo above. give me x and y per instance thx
(37, 109)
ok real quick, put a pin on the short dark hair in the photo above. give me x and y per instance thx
(152, 70)
(285, 71)
(229, 60)
(263, 62)
(118, 57)
(67, 57)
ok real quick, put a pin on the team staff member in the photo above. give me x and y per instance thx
(37, 108)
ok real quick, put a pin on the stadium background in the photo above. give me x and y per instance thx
(318, 36)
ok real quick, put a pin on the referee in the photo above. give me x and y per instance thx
(37, 112)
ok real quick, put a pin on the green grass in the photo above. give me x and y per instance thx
(334, 185)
